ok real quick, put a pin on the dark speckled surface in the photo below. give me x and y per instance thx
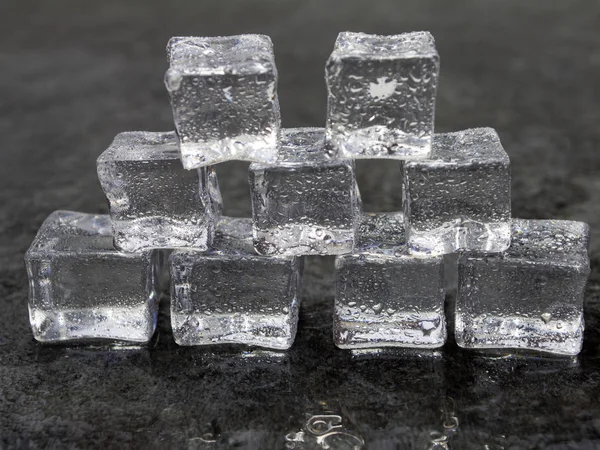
(75, 73)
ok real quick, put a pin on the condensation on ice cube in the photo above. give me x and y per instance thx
(384, 296)
(82, 289)
(382, 91)
(305, 203)
(154, 201)
(223, 93)
(231, 295)
(530, 296)
(459, 200)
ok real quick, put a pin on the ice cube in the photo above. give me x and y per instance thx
(232, 295)
(82, 289)
(384, 296)
(530, 296)
(306, 203)
(154, 201)
(459, 200)
(382, 93)
(223, 92)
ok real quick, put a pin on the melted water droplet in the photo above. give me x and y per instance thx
(546, 317)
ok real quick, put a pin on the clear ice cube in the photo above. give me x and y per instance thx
(382, 93)
(306, 203)
(530, 296)
(223, 93)
(459, 200)
(154, 201)
(232, 295)
(384, 296)
(82, 289)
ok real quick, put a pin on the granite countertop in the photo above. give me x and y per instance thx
(74, 74)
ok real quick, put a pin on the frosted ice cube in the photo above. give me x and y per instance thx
(232, 295)
(223, 92)
(459, 200)
(384, 296)
(304, 204)
(154, 201)
(382, 93)
(82, 289)
(530, 296)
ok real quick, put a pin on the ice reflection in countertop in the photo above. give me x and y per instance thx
(324, 431)
(222, 397)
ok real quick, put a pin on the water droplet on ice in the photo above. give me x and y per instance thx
(173, 79)
(546, 317)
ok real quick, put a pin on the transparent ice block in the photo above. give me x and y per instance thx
(232, 295)
(530, 296)
(223, 93)
(154, 201)
(384, 296)
(306, 203)
(459, 200)
(382, 93)
(82, 289)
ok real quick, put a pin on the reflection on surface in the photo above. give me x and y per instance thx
(96, 353)
(515, 400)
(392, 395)
(324, 431)
(313, 396)
(440, 439)
(398, 353)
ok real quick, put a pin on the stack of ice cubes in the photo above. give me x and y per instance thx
(236, 280)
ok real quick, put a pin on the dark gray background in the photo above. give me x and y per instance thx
(75, 73)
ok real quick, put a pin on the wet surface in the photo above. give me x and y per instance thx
(73, 77)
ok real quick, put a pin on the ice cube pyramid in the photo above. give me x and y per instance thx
(520, 282)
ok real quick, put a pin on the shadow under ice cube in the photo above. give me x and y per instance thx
(223, 93)
(384, 296)
(82, 289)
(459, 200)
(382, 93)
(306, 203)
(154, 201)
(530, 296)
(232, 295)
